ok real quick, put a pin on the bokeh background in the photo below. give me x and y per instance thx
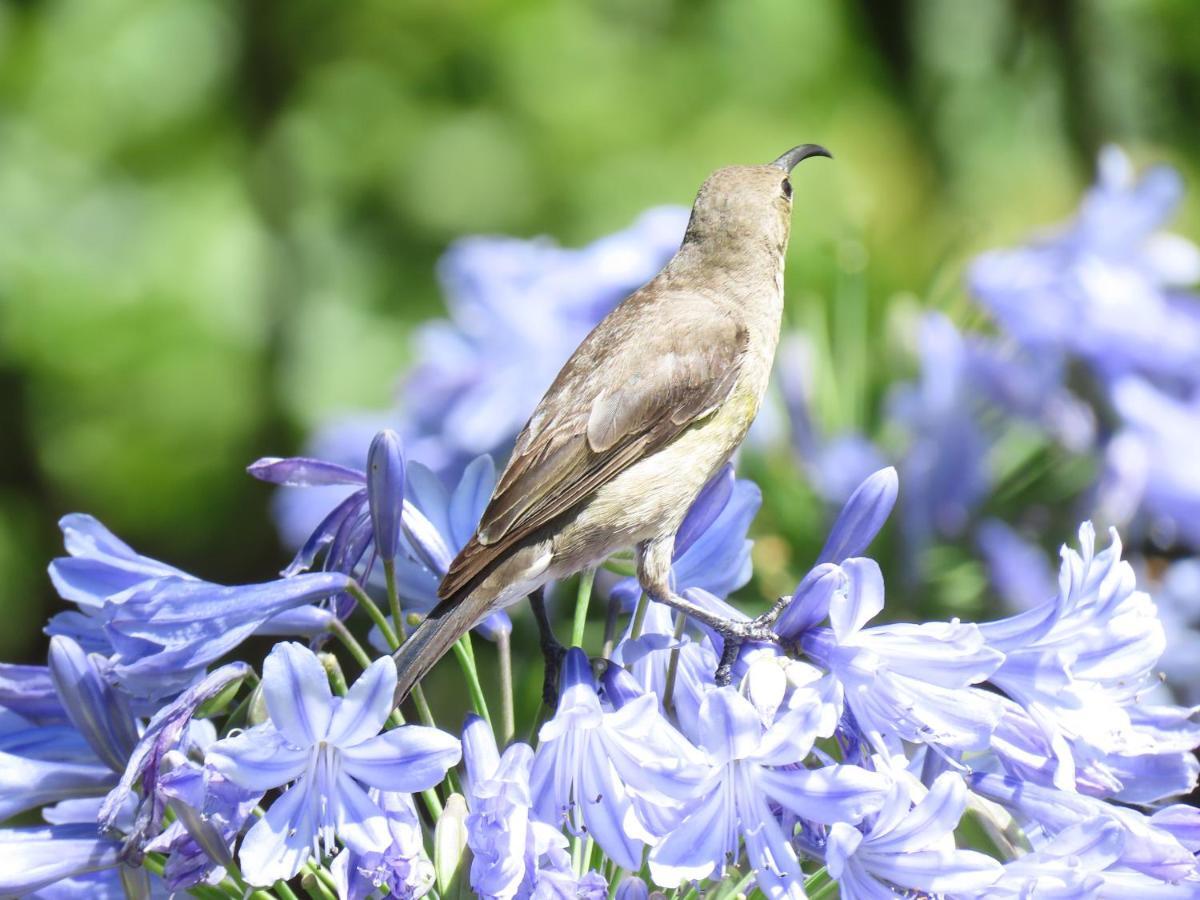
(219, 221)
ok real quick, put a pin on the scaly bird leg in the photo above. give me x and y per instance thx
(552, 651)
(654, 573)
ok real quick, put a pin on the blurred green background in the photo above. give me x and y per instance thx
(219, 220)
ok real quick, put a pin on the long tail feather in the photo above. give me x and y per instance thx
(445, 624)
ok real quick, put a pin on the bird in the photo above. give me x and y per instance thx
(649, 407)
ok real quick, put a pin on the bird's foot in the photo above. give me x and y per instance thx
(760, 629)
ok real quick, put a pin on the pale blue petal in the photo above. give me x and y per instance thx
(862, 600)
(296, 690)
(31, 858)
(862, 517)
(936, 815)
(469, 498)
(299, 471)
(28, 783)
(361, 824)
(603, 805)
(827, 795)
(730, 725)
(279, 843)
(699, 846)
(258, 759)
(366, 706)
(939, 872)
(408, 759)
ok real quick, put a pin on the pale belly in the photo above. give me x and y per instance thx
(651, 498)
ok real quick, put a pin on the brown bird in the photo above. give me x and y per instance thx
(647, 409)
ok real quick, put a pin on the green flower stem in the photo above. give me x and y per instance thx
(339, 630)
(333, 671)
(610, 627)
(466, 658)
(673, 663)
(424, 713)
(586, 579)
(508, 725)
(389, 574)
(281, 888)
(639, 616)
(364, 600)
(314, 884)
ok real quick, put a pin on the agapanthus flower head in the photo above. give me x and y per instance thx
(160, 627)
(1078, 662)
(1105, 287)
(753, 767)
(905, 682)
(598, 771)
(329, 750)
(909, 846)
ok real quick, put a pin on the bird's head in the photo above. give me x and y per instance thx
(749, 203)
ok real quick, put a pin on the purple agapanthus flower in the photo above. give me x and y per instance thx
(498, 797)
(403, 868)
(754, 767)
(596, 771)
(1150, 469)
(1105, 287)
(210, 812)
(1152, 848)
(1077, 664)
(326, 749)
(159, 626)
(910, 847)
(905, 682)
(434, 523)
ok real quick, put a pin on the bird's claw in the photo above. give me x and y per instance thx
(734, 634)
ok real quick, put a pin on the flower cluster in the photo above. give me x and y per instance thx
(1032, 755)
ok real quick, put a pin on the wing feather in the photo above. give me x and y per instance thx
(628, 390)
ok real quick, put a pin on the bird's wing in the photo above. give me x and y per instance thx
(631, 387)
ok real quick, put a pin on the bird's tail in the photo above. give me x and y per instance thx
(445, 624)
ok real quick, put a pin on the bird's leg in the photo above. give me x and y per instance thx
(654, 573)
(552, 651)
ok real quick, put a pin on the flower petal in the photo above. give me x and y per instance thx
(861, 518)
(700, 845)
(296, 690)
(827, 795)
(604, 805)
(299, 471)
(361, 713)
(409, 759)
(862, 600)
(258, 759)
(279, 843)
(361, 824)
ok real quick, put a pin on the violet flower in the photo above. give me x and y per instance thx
(326, 749)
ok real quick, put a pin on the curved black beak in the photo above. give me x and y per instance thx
(788, 161)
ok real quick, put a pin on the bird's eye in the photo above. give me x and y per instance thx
(787, 188)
